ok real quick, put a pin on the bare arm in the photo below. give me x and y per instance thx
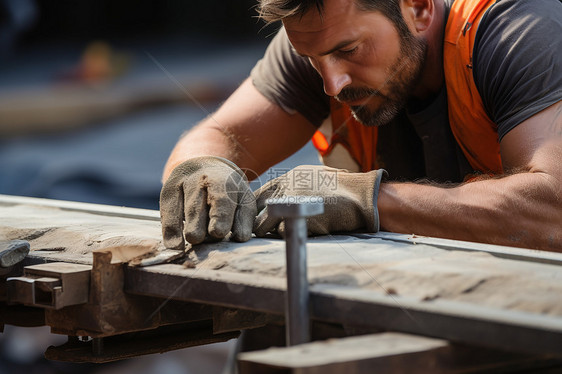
(247, 129)
(522, 208)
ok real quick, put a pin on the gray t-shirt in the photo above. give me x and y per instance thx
(517, 68)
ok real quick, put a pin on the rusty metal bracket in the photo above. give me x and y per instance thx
(119, 347)
(51, 286)
(110, 311)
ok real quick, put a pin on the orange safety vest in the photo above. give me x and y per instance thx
(474, 131)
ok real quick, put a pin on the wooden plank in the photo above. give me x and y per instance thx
(385, 353)
(452, 293)
(74, 206)
(501, 251)
(70, 231)
(470, 323)
(392, 270)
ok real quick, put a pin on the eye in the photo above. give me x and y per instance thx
(348, 52)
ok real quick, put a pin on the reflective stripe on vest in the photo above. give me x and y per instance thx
(472, 128)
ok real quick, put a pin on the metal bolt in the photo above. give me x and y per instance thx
(294, 211)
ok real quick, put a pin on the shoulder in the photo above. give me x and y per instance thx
(520, 19)
(517, 59)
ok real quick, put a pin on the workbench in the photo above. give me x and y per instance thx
(389, 302)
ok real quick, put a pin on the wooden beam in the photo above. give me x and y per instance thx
(459, 293)
(387, 353)
(384, 353)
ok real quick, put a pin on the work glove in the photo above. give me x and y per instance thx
(206, 198)
(350, 199)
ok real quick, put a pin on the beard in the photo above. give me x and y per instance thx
(402, 78)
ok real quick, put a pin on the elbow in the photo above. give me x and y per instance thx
(541, 215)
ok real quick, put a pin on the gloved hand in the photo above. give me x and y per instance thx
(350, 199)
(213, 197)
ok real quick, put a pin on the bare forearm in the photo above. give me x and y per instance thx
(523, 210)
(200, 141)
(247, 129)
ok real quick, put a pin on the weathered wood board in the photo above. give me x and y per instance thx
(66, 231)
(465, 294)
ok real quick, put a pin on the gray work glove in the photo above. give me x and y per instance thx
(213, 197)
(350, 199)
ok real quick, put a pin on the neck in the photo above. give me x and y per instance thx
(432, 76)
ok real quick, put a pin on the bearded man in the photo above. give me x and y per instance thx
(464, 95)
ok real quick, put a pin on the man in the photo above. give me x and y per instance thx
(385, 73)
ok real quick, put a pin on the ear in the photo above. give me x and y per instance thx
(419, 12)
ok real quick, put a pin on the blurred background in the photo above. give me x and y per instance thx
(93, 96)
(95, 93)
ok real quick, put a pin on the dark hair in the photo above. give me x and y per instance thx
(277, 10)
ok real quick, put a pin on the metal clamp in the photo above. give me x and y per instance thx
(53, 285)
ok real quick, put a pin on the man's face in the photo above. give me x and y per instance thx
(363, 60)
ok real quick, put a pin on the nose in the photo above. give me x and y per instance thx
(334, 75)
